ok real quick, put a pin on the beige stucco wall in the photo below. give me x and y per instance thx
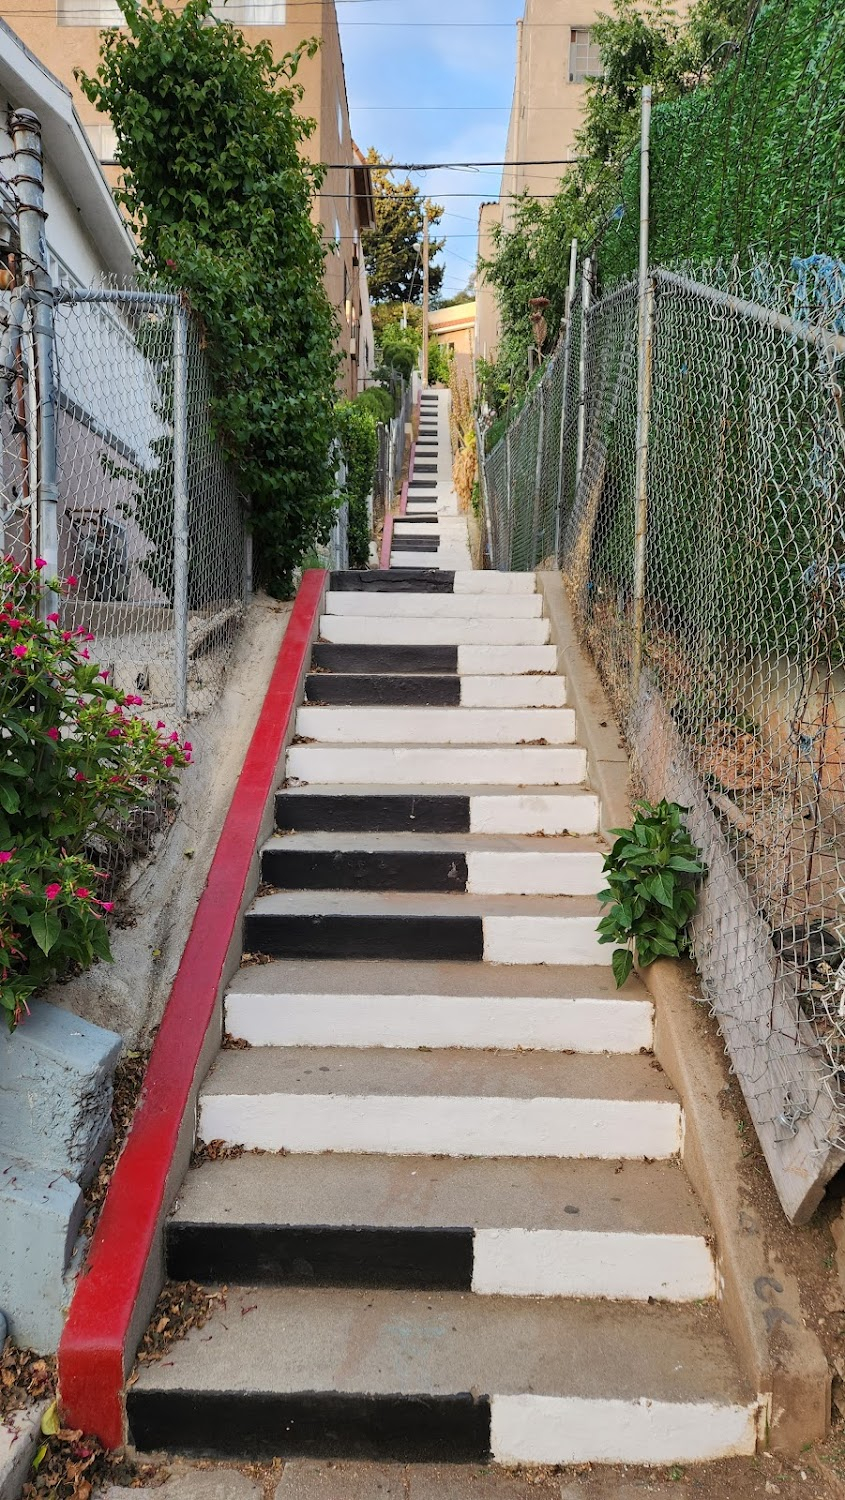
(454, 327)
(64, 49)
(487, 322)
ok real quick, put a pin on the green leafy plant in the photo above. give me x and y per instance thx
(652, 871)
(359, 442)
(73, 765)
(220, 190)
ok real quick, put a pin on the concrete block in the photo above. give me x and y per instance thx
(41, 1213)
(199, 1484)
(19, 1435)
(468, 1482)
(56, 1090)
(304, 1479)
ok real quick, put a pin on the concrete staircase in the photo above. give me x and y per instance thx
(450, 1211)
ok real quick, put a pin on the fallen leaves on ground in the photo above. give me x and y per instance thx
(182, 1306)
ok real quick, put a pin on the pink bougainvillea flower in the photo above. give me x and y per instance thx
(80, 776)
(106, 905)
(82, 892)
(15, 624)
(104, 674)
(19, 650)
(168, 761)
(160, 724)
(174, 738)
(52, 733)
(114, 734)
(67, 635)
(40, 562)
(71, 582)
(86, 655)
(5, 856)
(188, 746)
(88, 636)
(53, 619)
(52, 891)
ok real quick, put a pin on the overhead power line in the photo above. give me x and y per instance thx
(452, 166)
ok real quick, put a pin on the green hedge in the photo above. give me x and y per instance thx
(356, 428)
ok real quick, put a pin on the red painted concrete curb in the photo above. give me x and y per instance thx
(93, 1349)
(386, 541)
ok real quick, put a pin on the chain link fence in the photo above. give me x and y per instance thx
(150, 520)
(727, 668)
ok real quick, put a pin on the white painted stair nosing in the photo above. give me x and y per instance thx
(429, 765)
(534, 812)
(528, 1429)
(586, 1263)
(437, 727)
(530, 873)
(441, 1021)
(482, 661)
(513, 692)
(408, 1125)
(374, 630)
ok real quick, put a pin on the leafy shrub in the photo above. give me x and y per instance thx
(439, 363)
(73, 763)
(651, 873)
(359, 441)
(209, 139)
(378, 402)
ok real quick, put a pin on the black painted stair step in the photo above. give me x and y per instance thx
(337, 1373)
(413, 520)
(394, 581)
(422, 484)
(317, 1254)
(416, 543)
(372, 812)
(297, 869)
(346, 657)
(415, 690)
(425, 468)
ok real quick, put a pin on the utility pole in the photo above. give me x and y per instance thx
(424, 361)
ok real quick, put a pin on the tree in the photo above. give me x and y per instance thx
(209, 140)
(393, 250)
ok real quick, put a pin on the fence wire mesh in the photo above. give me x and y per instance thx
(739, 710)
(141, 476)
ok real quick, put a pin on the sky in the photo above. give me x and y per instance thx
(433, 82)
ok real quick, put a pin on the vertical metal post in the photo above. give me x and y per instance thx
(644, 372)
(567, 354)
(586, 287)
(538, 473)
(509, 498)
(180, 507)
(425, 257)
(28, 182)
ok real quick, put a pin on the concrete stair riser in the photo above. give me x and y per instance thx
(436, 726)
(400, 607)
(564, 812)
(426, 765)
(470, 939)
(295, 864)
(445, 1021)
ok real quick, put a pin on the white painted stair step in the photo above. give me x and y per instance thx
(451, 1103)
(431, 766)
(374, 725)
(402, 607)
(468, 1021)
(660, 1384)
(371, 630)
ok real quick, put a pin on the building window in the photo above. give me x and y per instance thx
(103, 138)
(250, 12)
(584, 55)
(89, 13)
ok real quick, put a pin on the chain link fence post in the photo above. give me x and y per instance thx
(28, 183)
(644, 375)
(180, 509)
(567, 351)
(586, 286)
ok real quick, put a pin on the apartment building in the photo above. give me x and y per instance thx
(64, 35)
(555, 55)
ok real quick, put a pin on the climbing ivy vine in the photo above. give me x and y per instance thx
(209, 138)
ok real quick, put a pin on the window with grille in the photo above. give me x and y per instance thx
(584, 55)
